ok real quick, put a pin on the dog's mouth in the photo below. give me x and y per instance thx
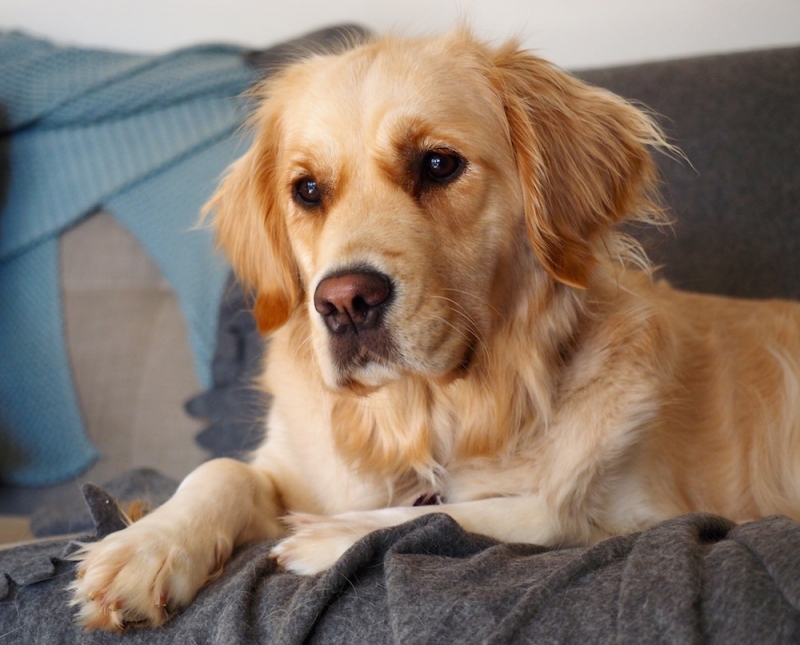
(367, 376)
(355, 350)
(364, 360)
(361, 369)
(372, 336)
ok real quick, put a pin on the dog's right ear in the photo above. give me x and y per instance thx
(583, 158)
(251, 230)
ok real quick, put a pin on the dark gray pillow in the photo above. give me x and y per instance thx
(234, 407)
(737, 199)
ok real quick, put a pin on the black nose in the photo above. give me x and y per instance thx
(352, 301)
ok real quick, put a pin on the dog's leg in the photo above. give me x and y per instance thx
(156, 565)
(562, 511)
(318, 541)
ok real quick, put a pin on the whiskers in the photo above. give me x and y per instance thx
(481, 301)
(307, 341)
(471, 332)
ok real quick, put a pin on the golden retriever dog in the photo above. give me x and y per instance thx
(431, 231)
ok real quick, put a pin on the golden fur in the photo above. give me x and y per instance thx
(532, 373)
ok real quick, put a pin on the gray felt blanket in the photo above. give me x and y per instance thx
(695, 579)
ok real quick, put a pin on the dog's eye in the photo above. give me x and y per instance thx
(307, 192)
(441, 167)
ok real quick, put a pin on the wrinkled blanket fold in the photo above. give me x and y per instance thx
(697, 578)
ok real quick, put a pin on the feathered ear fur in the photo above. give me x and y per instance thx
(583, 159)
(251, 230)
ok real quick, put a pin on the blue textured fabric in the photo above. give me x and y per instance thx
(146, 137)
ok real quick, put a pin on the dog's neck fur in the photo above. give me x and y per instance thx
(414, 429)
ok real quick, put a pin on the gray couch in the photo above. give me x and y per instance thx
(694, 579)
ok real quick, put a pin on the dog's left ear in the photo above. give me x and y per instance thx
(251, 229)
(582, 156)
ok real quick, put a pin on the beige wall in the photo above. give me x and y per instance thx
(573, 33)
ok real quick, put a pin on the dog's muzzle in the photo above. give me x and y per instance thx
(353, 306)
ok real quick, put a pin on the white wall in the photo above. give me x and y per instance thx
(573, 33)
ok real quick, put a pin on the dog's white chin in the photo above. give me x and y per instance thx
(365, 378)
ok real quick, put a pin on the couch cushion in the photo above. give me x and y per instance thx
(736, 198)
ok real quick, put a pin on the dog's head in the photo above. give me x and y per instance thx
(400, 196)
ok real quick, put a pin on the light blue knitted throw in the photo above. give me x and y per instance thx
(147, 138)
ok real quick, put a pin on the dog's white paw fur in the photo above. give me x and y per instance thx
(318, 541)
(141, 574)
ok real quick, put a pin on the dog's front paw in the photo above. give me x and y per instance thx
(141, 574)
(317, 541)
